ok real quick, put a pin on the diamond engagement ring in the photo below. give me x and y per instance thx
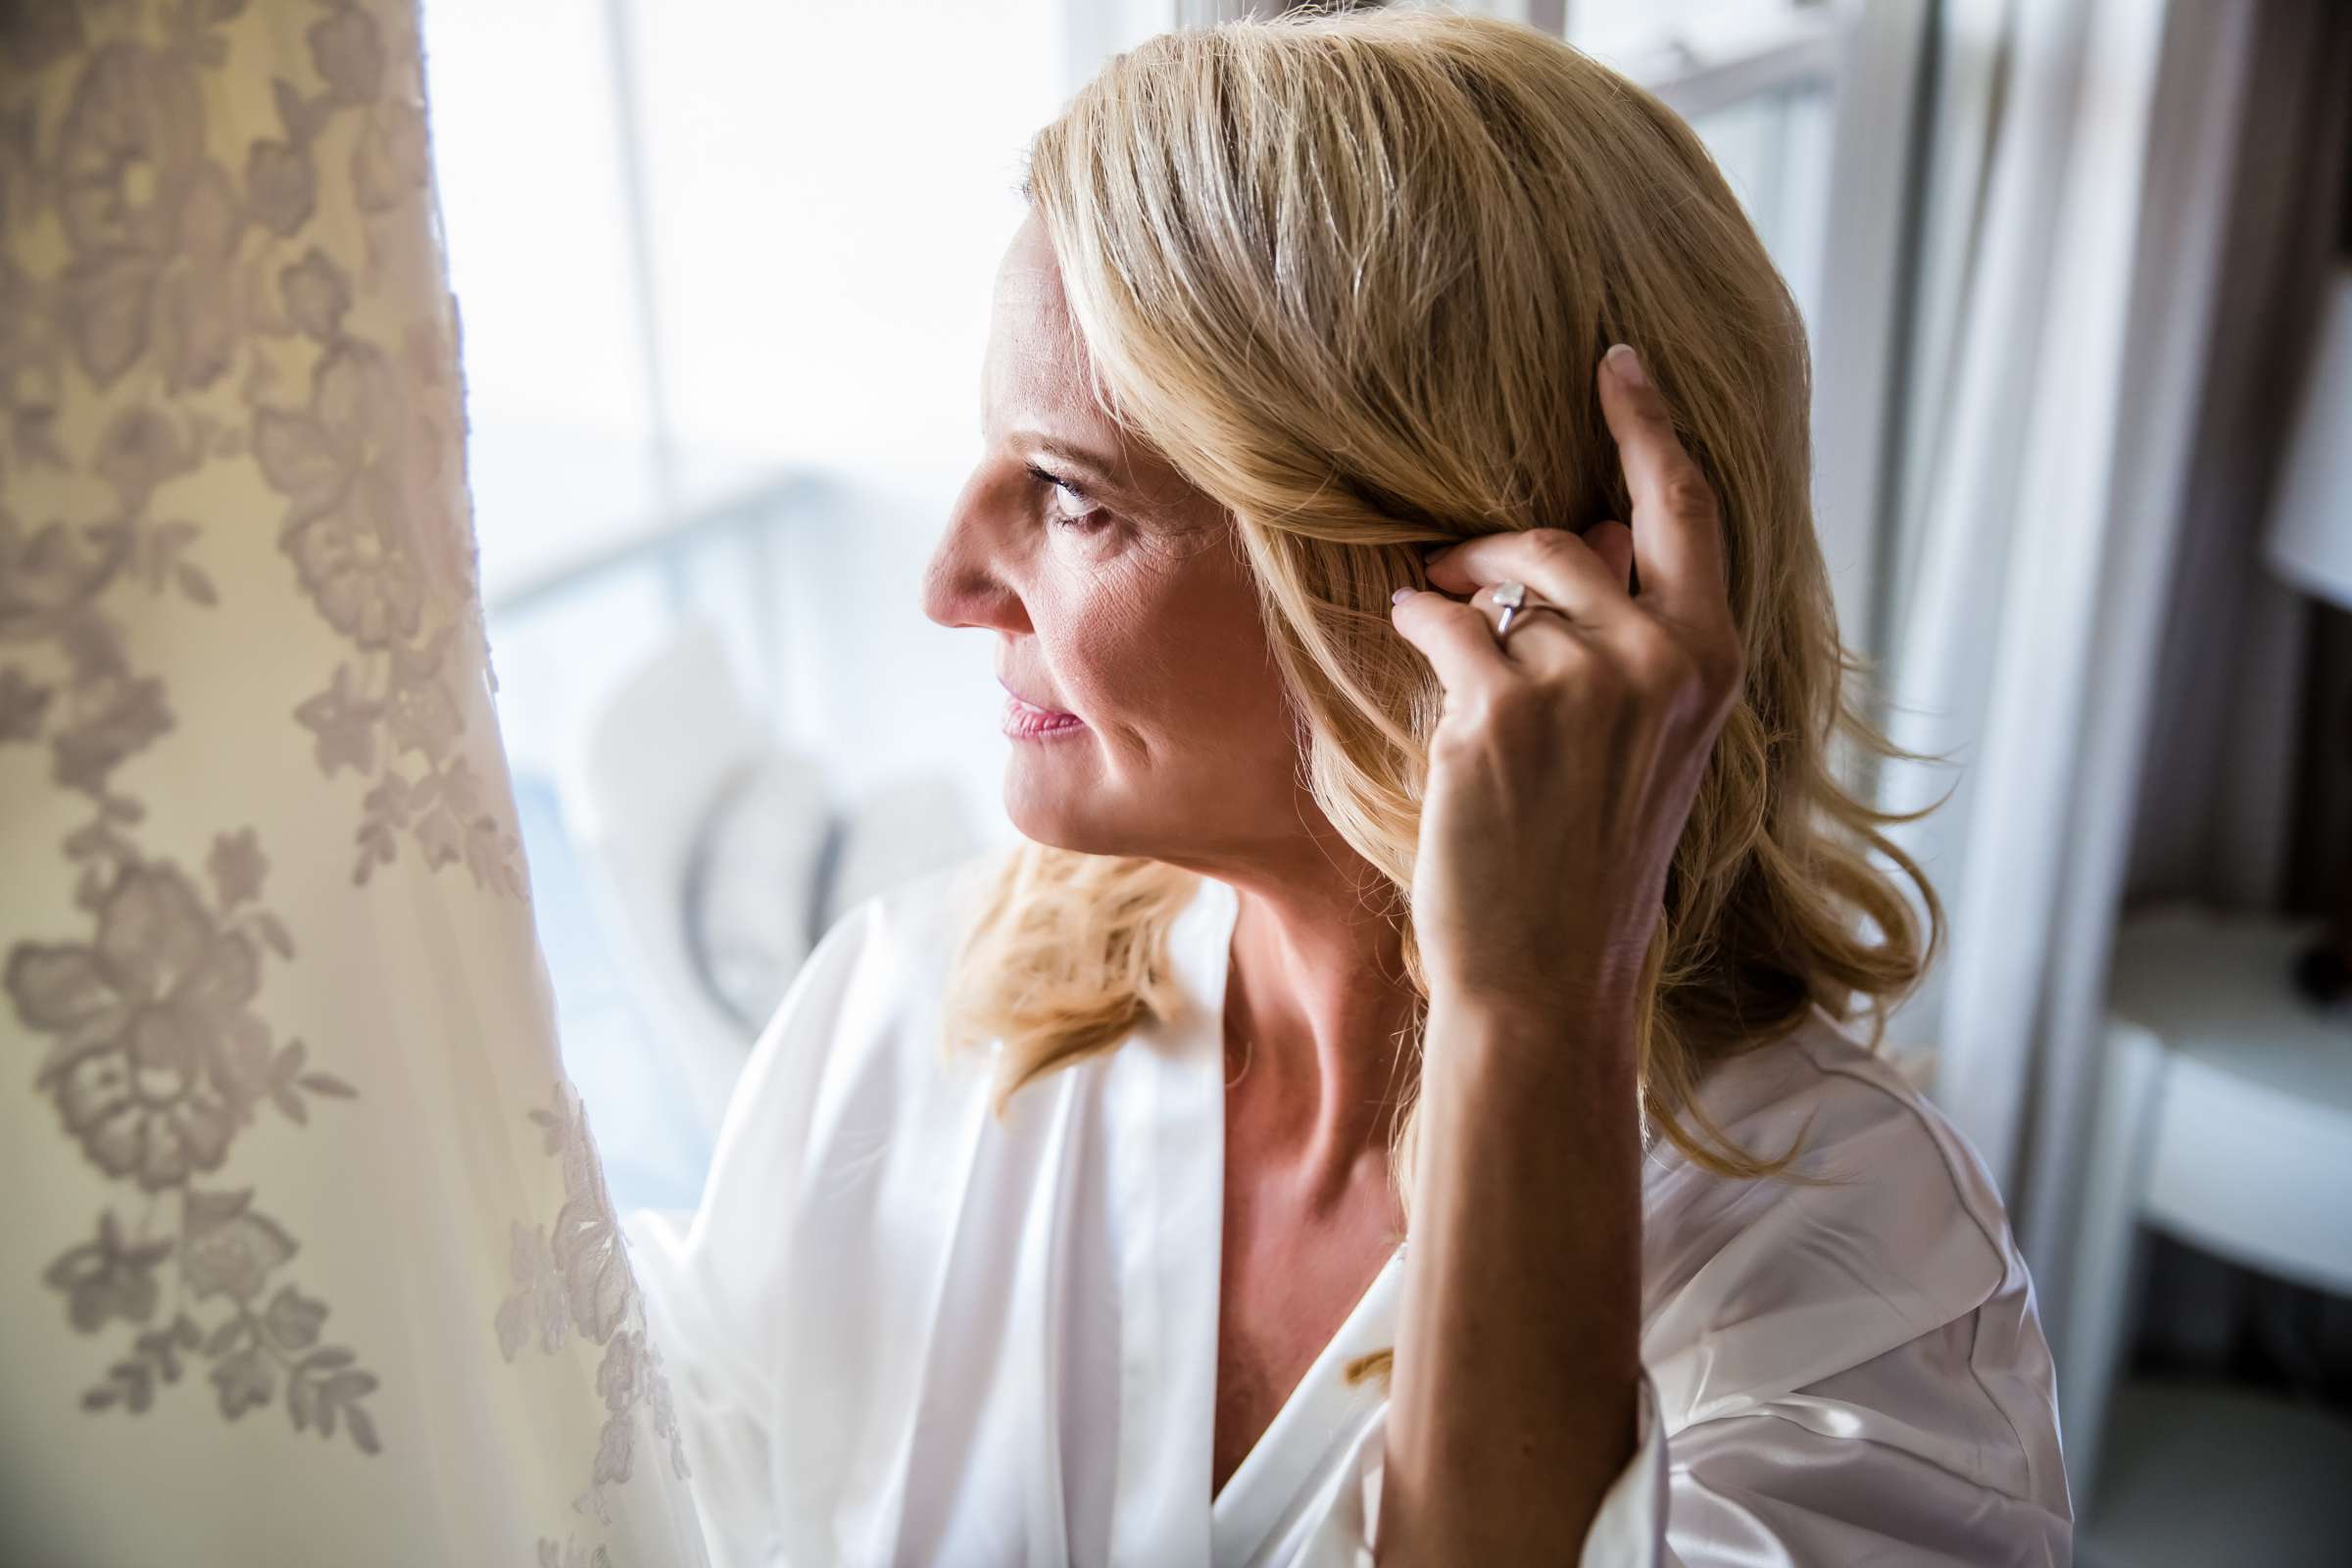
(1513, 597)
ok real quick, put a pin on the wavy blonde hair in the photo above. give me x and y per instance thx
(1353, 274)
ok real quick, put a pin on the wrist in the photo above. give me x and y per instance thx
(1518, 1035)
(1572, 978)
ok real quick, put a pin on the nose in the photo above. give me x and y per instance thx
(964, 582)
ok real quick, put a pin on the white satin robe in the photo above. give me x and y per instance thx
(899, 1331)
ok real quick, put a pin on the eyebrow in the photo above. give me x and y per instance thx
(1087, 463)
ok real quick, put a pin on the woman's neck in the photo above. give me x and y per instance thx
(1316, 1005)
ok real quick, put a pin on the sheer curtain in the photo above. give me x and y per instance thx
(2115, 187)
(313, 1256)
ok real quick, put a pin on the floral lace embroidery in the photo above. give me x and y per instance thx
(579, 1280)
(178, 296)
(155, 1062)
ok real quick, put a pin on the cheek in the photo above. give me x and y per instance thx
(1105, 646)
(1159, 649)
(1188, 692)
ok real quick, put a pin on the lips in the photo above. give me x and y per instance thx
(1025, 720)
(1034, 710)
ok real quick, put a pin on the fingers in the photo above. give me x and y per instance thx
(1674, 549)
(1677, 523)
(1558, 566)
(1614, 543)
(1453, 635)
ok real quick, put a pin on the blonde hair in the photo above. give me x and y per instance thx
(1352, 275)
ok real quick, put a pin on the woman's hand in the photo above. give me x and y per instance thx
(1562, 776)
(1566, 759)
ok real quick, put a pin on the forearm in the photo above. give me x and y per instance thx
(1517, 1367)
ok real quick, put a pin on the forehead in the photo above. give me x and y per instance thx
(1036, 365)
(1036, 389)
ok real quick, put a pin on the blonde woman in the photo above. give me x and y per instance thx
(1506, 903)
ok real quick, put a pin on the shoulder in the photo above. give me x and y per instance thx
(1891, 1302)
(911, 928)
(882, 965)
(1901, 1231)
(856, 1045)
(842, 1145)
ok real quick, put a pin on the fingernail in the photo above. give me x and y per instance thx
(1431, 552)
(1399, 597)
(1627, 364)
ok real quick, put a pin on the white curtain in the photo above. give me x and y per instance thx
(2086, 161)
(311, 1256)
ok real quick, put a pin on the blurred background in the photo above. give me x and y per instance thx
(2076, 277)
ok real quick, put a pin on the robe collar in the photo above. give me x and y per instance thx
(1173, 1183)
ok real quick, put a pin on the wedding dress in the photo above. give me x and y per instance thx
(899, 1330)
(310, 1257)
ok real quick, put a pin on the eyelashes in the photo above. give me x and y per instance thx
(1046, 476)
(1088, 517)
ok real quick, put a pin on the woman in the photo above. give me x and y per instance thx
(1518, 914)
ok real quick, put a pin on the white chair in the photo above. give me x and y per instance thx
(667, 749)
(763, 889)
(2226, 1121)
(896, 832)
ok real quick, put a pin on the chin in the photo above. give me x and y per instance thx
(1078, 832)
(1047, 811)
(1079, 819)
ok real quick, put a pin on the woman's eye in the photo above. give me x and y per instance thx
(1071, 507)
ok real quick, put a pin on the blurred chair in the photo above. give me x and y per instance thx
(896, 832)
(757, 899)
(718, 857)
(2226, 1121)
(673, 741)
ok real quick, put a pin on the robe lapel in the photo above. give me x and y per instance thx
(1168, 1173)
(1288, 1472)
(1171, 1176)
(1168, 1163)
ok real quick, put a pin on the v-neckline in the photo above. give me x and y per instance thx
(1324, 1412)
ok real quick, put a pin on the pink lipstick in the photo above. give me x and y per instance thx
(1025, 720)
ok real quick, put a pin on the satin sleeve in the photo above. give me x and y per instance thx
(710, 1277)
(1845, 1373)
(1628, 1529)
(1851, 1468)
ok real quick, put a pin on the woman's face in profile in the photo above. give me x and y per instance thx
(1152, 721)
